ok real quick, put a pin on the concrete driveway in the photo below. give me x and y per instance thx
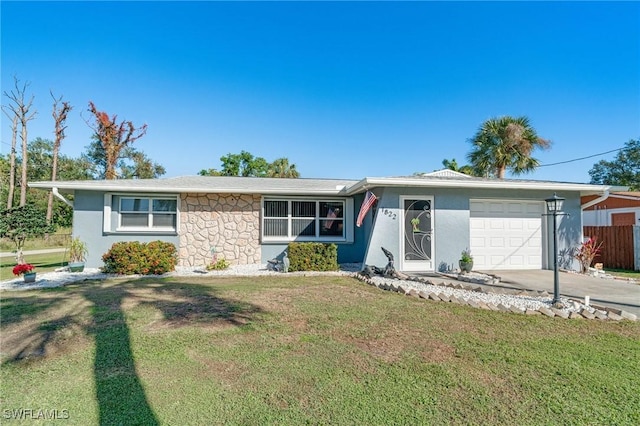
(613, 293)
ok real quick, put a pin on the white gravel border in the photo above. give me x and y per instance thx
(62, 277)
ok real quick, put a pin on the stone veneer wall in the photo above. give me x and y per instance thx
(230, 223)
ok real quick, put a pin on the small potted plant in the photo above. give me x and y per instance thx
(77, 255)
(466, 261)
(26, 270)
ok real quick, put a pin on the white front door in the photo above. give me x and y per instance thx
(416, 230)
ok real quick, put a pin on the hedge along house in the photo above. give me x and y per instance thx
(425, 220)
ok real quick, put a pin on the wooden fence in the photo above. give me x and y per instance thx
(617, 249)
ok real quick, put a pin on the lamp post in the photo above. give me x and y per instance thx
(554, 207)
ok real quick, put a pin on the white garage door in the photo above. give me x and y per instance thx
(506, 234)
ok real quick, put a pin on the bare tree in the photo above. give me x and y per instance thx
(114, 137)
(20, 108)
(59, 114)
(12, 156)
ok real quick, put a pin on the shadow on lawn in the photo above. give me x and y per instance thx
(120, 394)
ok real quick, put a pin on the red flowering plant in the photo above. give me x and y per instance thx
(22, 268)
(588, 251)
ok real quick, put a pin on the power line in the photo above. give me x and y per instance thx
(581, 158)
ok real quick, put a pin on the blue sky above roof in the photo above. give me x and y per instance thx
(344, 90)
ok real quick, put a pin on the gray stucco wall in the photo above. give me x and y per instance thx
(88, 212)
(451, 223)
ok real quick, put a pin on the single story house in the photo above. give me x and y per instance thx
(617, 208)
(425, 221)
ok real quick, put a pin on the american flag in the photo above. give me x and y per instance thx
(369, 199)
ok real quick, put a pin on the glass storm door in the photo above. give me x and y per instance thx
(417, 234)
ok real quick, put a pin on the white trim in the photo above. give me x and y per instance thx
(106, 213)
(312, 187)
(108, 209)
(596, 200)
(347, 221)
(368, 183)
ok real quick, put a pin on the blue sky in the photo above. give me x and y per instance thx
(342, 89)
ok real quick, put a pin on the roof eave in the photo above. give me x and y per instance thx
(368, 183)
(71, 188)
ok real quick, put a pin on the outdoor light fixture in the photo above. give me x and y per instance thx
(554, 204)
(554, 207)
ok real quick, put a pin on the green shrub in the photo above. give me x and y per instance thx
(218, 265)
(134, 257)
(313, 257)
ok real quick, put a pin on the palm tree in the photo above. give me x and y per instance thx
(505, 143)
(280, 168)
(453, 165)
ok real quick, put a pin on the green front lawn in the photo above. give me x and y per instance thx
(46, 262)
(305, 350)
(623, 273)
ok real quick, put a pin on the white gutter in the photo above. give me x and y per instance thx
(368, 183)
(64, 200)
(596, 200)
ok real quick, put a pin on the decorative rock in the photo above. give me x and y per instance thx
(575, 315)
(483, 305)
(204, 216)
(516, 310)
(615, 317)
(628, 316)
(473, 304)
(424, 295)
(560, 313)
(587, 314)
(548, 312)
(531, 312)
(503, 308)
(434, 296)
(602, 315)
(413, 293)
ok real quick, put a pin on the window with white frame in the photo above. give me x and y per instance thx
(147, 213)
(303, 220)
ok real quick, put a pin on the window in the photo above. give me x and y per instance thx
(304, 220)
(146, 213)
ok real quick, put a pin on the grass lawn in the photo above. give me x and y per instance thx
(43, 263)
(634, 275)
(305, 350)
(61, 238)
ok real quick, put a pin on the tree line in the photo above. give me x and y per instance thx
(110, 154)
(500, 144)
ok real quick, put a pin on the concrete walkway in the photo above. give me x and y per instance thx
(615, 293)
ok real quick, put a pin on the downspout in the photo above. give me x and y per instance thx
(55, 192)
